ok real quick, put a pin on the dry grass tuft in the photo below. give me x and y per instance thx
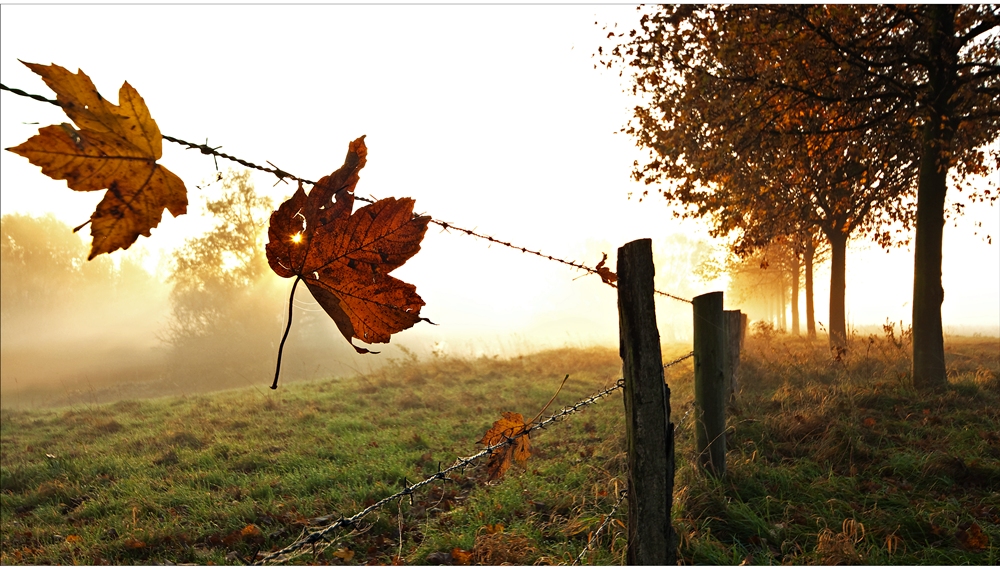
(503, 549)
(841, 548)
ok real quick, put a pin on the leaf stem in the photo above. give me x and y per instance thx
(284, 337)
(550, 400)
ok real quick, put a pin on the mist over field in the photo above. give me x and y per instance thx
(73, 336)
(79, 332)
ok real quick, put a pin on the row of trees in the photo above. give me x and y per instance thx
(69, 325)
(45, 274)
(767, 285)
(793, 121)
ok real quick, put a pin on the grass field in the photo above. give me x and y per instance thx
(831, 461)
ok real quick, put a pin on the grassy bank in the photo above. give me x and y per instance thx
(839, 461)
(214, 478)
(830, 461)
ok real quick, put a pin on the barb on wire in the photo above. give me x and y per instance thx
(283, 176)
(312, 538)
(679, 360)
(604, 524)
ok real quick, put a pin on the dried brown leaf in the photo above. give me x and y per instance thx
(345, 258)
(510, 427)
(605, 273)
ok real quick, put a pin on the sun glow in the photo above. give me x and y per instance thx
(297, 238)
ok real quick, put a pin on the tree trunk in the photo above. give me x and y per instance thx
(838, 288)
(795, 293)
(928, 294)
(782, 301)
(932, 185)
(772, 311)
(810, 254)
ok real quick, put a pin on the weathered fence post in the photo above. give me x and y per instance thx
(649, 433)
(733, 330)
(710, 383)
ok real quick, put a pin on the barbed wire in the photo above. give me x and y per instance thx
(607, 519)
(283, 176)
(289, 551)
(314, 537)
(680, 424)
(679, 360)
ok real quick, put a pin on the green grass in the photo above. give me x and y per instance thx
(843, 462)
(830, 461)
(197, 479)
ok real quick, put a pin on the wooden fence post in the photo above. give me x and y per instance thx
(733, 330)
(649, 433)
(710, 383)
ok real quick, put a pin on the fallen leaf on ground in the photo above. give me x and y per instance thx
(344, 553)
(971, 536)
(460, 556)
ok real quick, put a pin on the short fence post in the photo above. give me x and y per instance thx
(710, 383)
(649, 433)
(733, 326)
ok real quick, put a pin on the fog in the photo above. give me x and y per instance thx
(76, 332)
(79, 332)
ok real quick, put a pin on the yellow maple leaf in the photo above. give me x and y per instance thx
(113, 148)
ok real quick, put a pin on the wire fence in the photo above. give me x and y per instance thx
(310, 539)
(284, 176)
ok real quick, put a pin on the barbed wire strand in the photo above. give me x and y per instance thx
(284, 176)
(596, 534)
(679, 360)
(314, 537)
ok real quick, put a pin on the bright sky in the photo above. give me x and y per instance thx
(491, 117)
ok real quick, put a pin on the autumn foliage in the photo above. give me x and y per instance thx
(113, 148)
(345, 259)
(511, 428)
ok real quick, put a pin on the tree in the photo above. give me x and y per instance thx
(883, 94)
(40, 255)
(45, 271)
(66, 319)
(221, 321)
(761, 281)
